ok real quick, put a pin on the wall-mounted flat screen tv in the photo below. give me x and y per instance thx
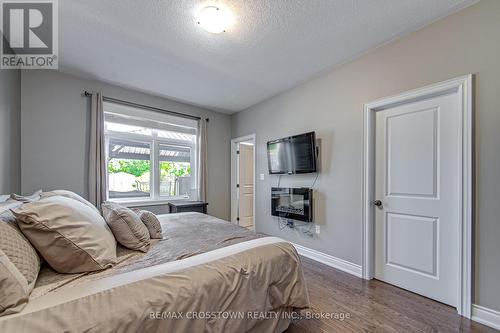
(292, 155)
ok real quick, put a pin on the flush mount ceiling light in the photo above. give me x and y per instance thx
(214, 19)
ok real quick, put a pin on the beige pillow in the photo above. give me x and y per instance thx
(127, 227)
(14, 290)
(69, 235)
(19, 251)
(19, 268)
(72, 195)
(151, 222)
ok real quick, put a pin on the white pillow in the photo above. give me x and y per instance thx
(27, 198)
(5, 207)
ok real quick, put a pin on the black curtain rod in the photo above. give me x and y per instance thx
(147, 107)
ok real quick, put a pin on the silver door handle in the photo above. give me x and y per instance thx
(377, 203)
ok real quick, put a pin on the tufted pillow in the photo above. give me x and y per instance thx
(19, 251)
(70, 236)
(72, 195)
(127, 227)
(14, 289)
(19, 263)
(151, 222)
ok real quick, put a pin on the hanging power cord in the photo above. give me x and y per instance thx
(308, 231)
(315, 179)
(282, 223)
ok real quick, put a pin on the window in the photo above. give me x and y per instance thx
(150, 155)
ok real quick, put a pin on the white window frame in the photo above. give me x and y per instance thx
(154, 188)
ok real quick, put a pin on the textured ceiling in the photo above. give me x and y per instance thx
(155, 45)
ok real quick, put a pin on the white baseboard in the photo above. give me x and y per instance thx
(486, 316)
(480, 314)
(329, 260)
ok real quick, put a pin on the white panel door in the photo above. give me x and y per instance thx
(246, 186)
(417, 184)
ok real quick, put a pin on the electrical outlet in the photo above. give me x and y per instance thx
(261, 176)
(318, 229)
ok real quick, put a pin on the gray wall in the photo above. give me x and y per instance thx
(466, 42)
(54, 130)
(10, 131)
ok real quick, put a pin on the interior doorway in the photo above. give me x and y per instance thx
(243, 181)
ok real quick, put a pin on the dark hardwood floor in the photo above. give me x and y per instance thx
(373, 306)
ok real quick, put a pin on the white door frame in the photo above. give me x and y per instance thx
(463, 87)
(234, 175)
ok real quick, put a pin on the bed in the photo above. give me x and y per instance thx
(205, 275)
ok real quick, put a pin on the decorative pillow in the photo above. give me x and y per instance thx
(14, 290)
(72, 195)
(70, 236)
(151, 222)
(19, 251)
(19, 266)
(127, 227)
(27, 198)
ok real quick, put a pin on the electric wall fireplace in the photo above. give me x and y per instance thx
(292, 203)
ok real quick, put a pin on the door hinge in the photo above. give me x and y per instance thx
(237, 185)
(237, 219)
(237, 152)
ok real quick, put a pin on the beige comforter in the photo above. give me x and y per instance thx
(213, 277)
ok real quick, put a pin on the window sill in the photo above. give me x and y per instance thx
(139, 203)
